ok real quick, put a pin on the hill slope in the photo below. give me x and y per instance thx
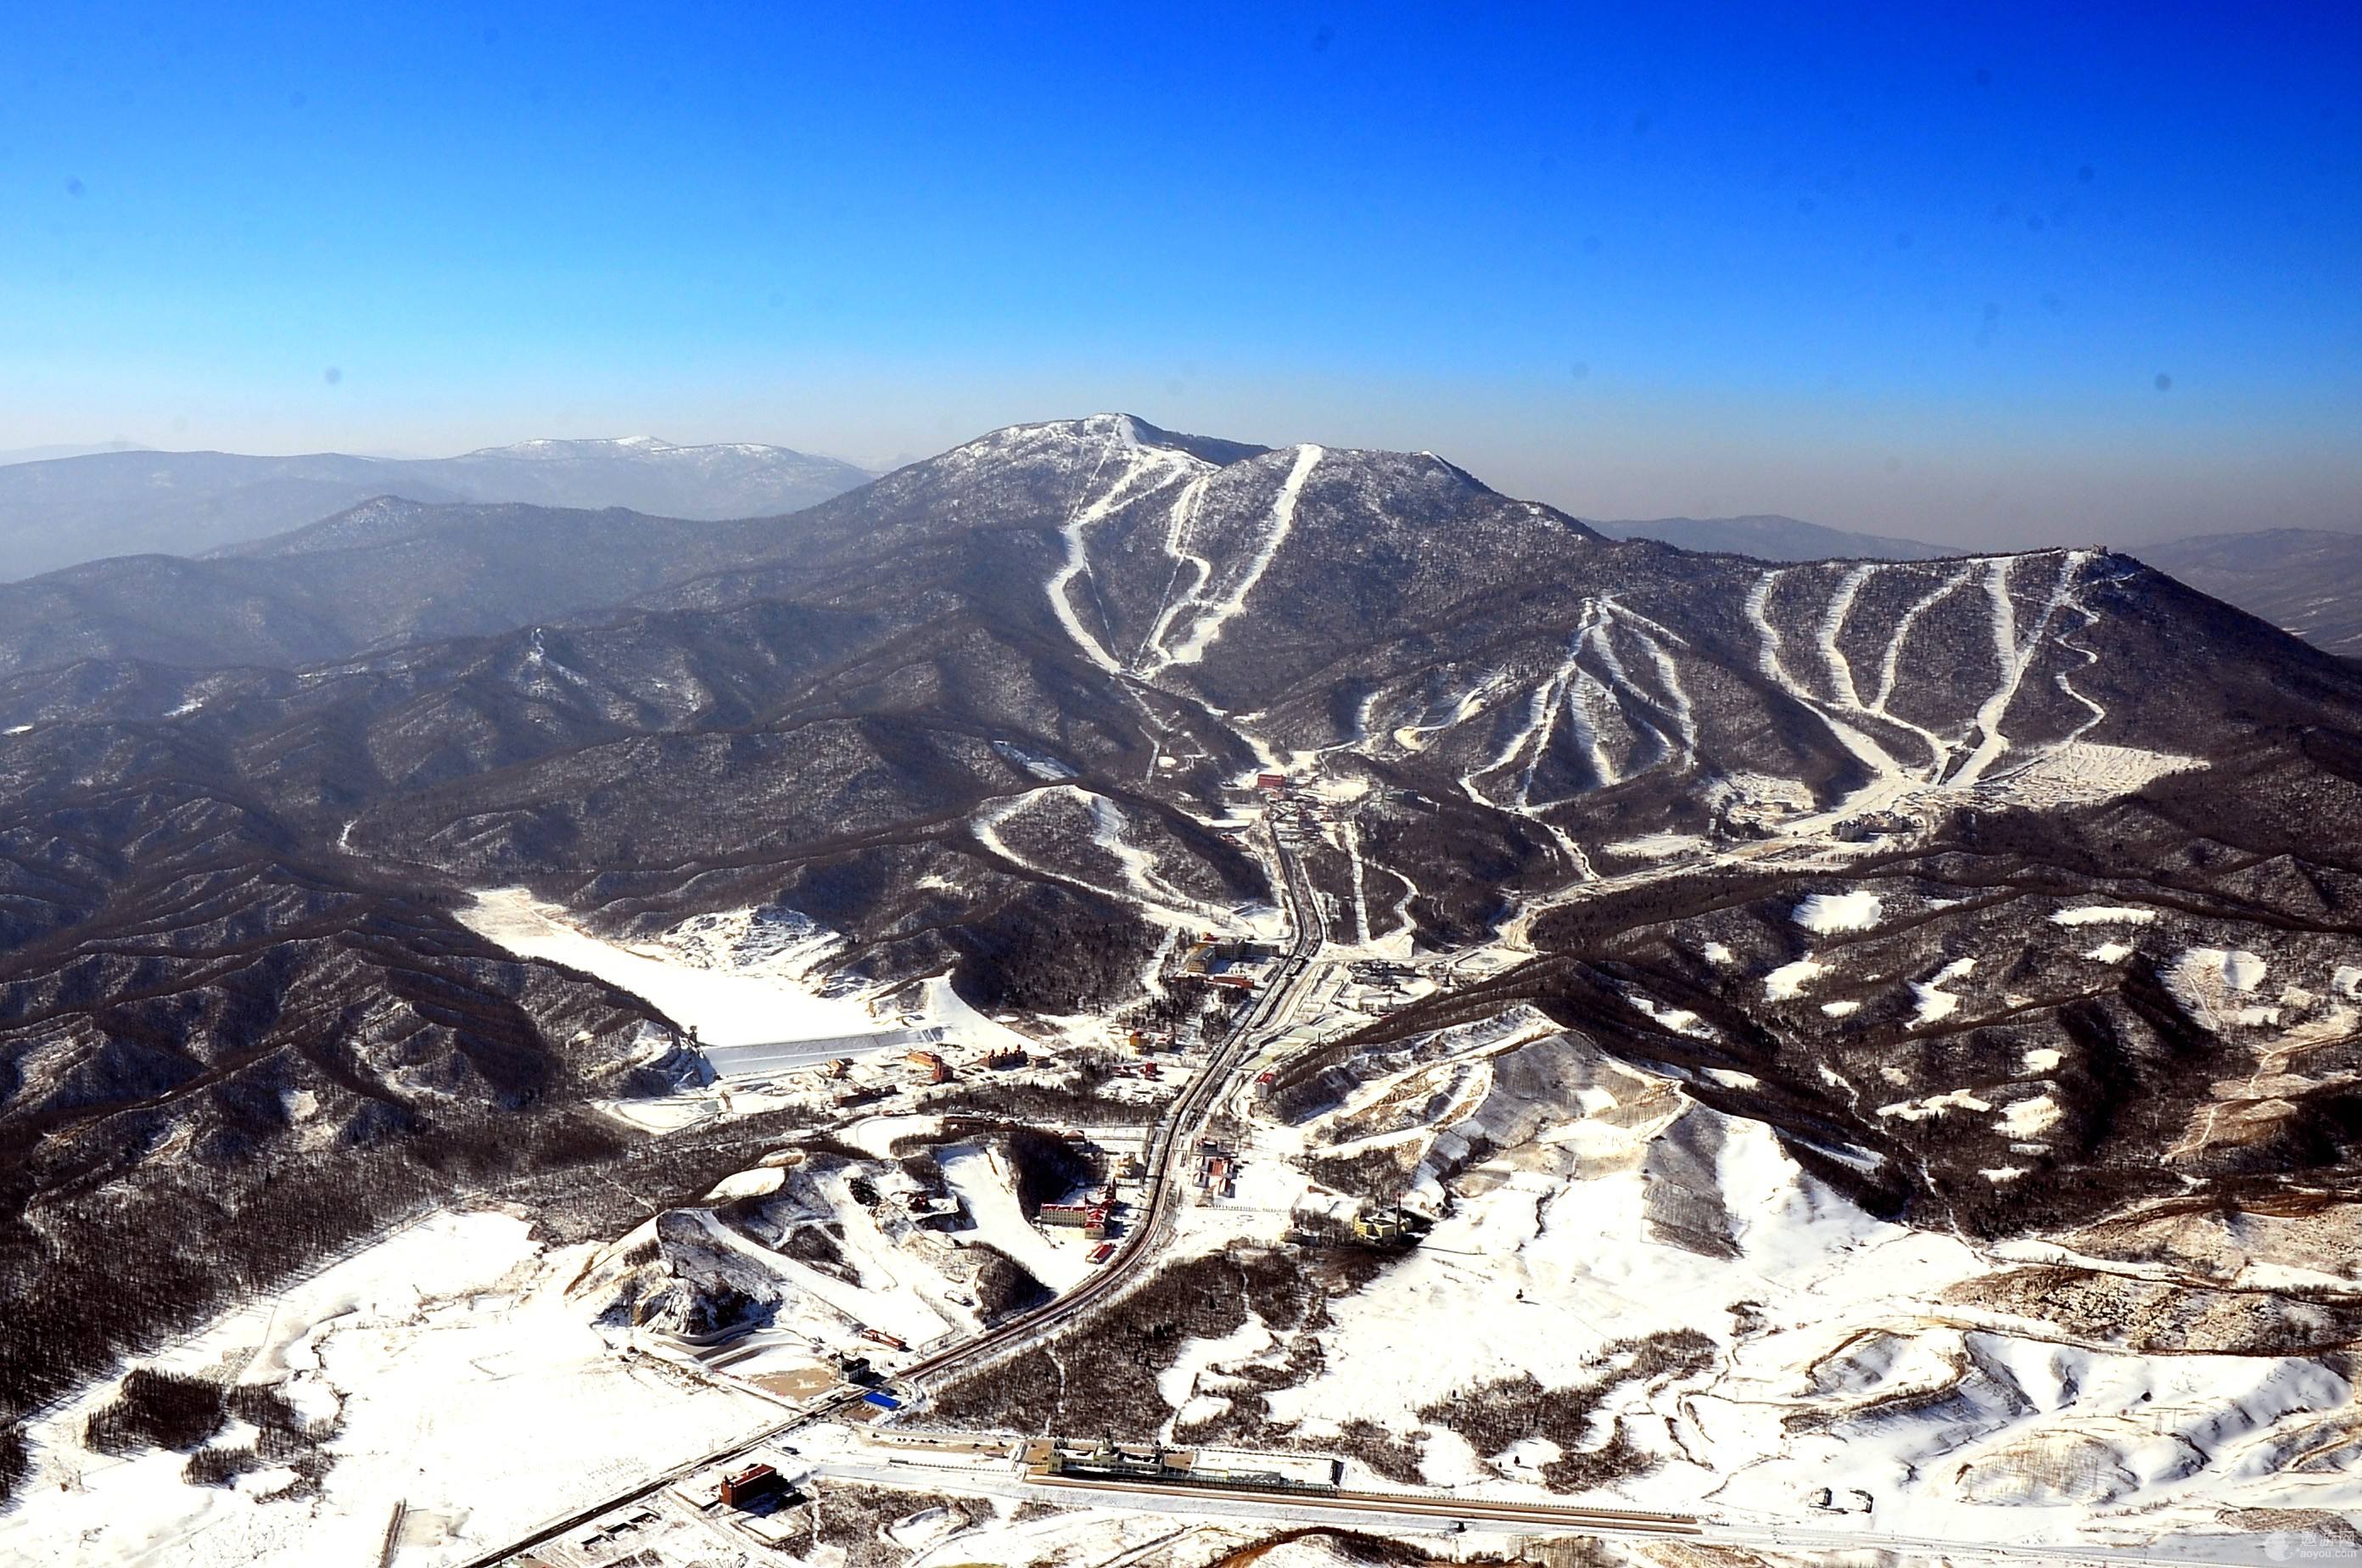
(384, 573)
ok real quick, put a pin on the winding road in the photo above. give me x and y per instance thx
(1166, 1194)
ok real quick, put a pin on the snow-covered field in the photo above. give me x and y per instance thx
(736, 979)
(1593, 1205)
(1824, 914)
(468, 1390)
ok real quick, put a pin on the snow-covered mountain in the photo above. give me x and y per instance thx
(68, 509)
(2305, 580)
(1908, 892)
(643, 474)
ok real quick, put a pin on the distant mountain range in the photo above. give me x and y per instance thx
(65, 506)
(2304, 581)
(47, 454)
(67, 510)
(386, 572)
(1770, 537)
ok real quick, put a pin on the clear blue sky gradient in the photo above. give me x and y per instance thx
(1910, 269)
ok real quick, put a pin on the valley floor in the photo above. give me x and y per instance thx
(1723, 1335)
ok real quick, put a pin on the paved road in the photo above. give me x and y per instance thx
(1394, 1507)
(1404, 1510)
(1501, 1517)
(1167, 1165)
(1169, 1148)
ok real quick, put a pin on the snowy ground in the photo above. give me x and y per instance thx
(469, 1389)
(1605, 1206)
(1582, 1205)
(716, 975)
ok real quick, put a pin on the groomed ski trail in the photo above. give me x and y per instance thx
(1139, 461)
(2016, 655)
(1209, 625)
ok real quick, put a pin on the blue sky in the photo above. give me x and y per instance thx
(1918, 270)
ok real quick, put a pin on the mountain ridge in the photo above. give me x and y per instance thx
(67, 511)
(2308, 581)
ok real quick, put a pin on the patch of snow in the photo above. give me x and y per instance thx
(2084, 772)
(985, 1186)
(1888, 776)
(435, 1348)
(2102, 915)
(1825, 913)
(2027, 1117)
(1142, 883)
(1933, 1105)
(2212, 983)
(1209, 625)
(922, 1529)
(1178, 1383)
(1845, 1008)
(1659, 845)
(1934, 1006)
(1550, 1248)
(2242, 971)
(1680, 1020)
(1159, 465)
(1039, 765)
(759, 1182)
(1788, 982)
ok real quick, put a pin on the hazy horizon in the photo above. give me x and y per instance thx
(1983, 280)
(2010, 523)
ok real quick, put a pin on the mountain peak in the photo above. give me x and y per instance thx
(547, 446)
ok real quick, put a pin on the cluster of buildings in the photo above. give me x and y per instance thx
(1220, 962)
(1216, 1169)
(1872, 825)
(1109, 1460)
(1090, 1218)
(923, 1068)
(1391, 1225)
